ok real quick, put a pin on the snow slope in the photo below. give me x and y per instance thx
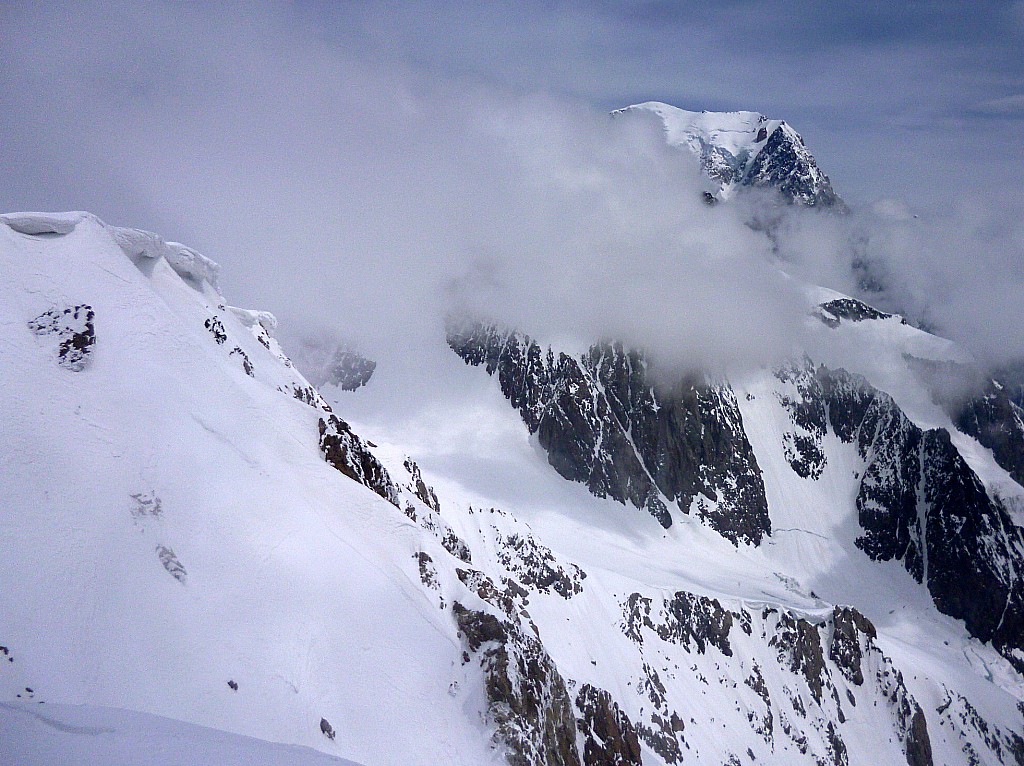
(65, 734)
(170, 525)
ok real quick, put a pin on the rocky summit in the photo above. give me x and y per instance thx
(744, 149)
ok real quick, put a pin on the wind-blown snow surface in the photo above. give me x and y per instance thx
(65, 734)
(171, 526)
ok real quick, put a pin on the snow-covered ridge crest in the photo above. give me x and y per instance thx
(189, 265)
(245, 336)
(137, 244)
(736, 132)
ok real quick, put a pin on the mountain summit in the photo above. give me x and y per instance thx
(738, 149)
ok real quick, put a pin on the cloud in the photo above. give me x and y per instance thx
(956, 272)
(373, 200)
(366, 172)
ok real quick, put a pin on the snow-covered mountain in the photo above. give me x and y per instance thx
(820, 563)
(739, 149)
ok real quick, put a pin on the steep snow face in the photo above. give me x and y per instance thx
(175, 542)
(745, 149)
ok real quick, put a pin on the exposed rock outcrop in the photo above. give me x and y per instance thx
(919, 503)
(823, 664)
(997, 422)
(74, 330)
(785, 164)
(528, 702)
(347, 452)
(609, 737)
(604, 423)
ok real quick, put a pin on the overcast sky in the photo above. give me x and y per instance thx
(321, 149)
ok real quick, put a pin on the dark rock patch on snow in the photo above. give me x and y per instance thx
(528, 702)
(609, 737)
(75, 331)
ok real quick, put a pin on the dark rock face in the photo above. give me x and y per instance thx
(921, 504)
(690, 438)
(609, 737)
(351, 455)
(802, 445)
(763, 723)
(428, 571)
(785, 164)
(605, 424)
(887, 502)
(528, 702)
(685, 619)
(663, 730)
(919, 746)
(844, 649)
(997, 422)
(216, 328)
(827, 663)
(833, 312)
(307, 395)
(987, 408)
(75, 332)
(420, 488)
(799, 646)
(324, 362)
(536, 567)
(974, 550)
(348, 370)
(510, 600)
(246, 364)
